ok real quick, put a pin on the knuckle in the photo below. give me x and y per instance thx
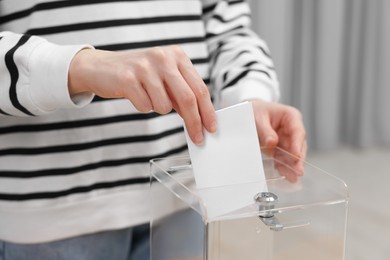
(143, 108)
(166, 111)
(128, 77)
(203, 92)
(188, 99)
(177, 50)
(294, 112)
(163, 109)
(143, 66)
(158, 53)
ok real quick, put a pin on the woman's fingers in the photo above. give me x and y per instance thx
(199, 88)
(185, 104)
(189, 94)
(155, 88)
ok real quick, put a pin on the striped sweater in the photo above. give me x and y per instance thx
(76, 165)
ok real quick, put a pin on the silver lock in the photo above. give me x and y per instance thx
(266, 202)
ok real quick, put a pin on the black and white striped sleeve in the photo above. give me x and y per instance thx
(241, 65)
(34, 76)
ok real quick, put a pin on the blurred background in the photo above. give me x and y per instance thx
(333, 62)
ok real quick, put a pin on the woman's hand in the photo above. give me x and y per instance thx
(282, 126)
(155, 79)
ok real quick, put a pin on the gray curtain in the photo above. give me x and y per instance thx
(333, 61)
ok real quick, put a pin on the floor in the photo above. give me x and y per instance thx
(367, 174)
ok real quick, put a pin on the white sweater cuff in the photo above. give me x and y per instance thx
(48, 67)
(249, 89)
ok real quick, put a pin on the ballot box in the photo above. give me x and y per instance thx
(286, 217)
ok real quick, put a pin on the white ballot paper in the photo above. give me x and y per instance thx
(228, 166)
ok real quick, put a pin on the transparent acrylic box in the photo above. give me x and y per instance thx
(303, 219)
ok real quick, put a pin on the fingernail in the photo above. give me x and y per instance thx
(213, 127)
(199, 139)
(269, 140)
(297, 151)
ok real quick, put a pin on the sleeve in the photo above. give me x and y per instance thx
(34, 76)
(241, 64)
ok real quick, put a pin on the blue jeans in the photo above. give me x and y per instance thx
(123, 244)
(178, 236)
